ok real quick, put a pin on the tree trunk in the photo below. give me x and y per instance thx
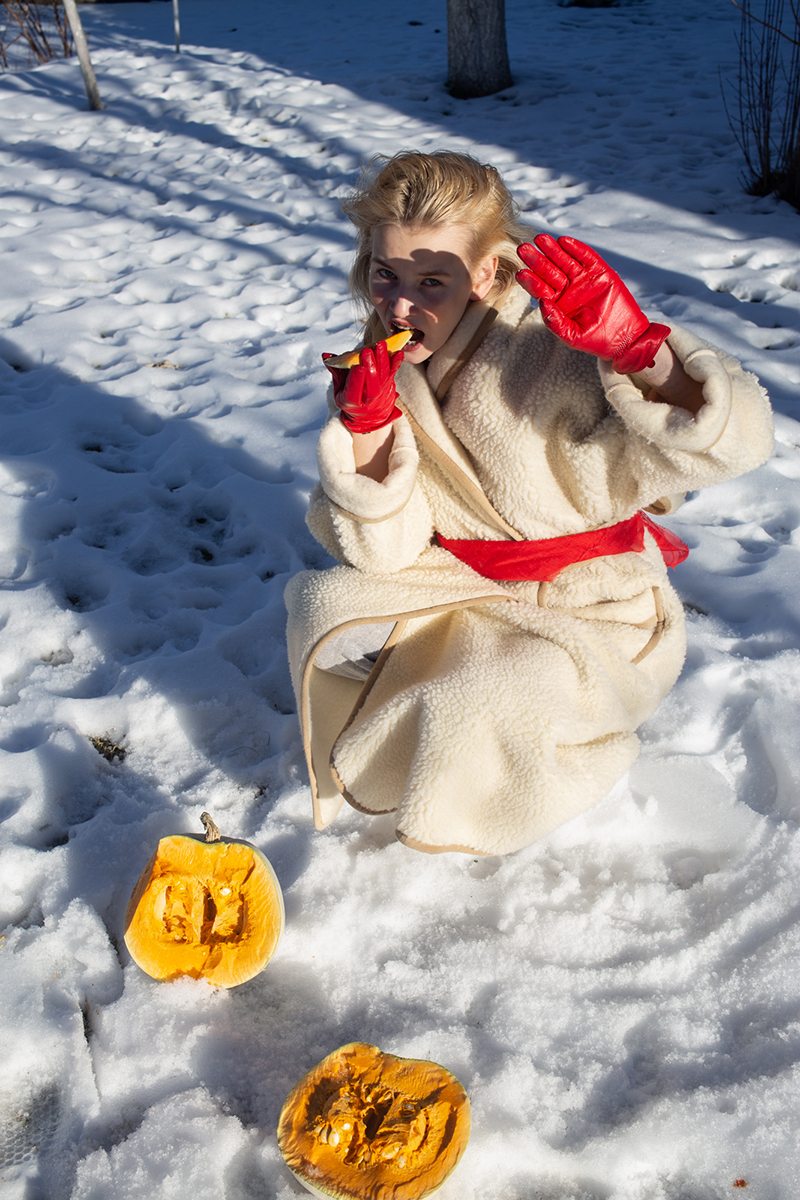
(78, 37)
(477, 55)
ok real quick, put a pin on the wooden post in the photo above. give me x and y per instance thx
(176, 19)
(92, 91)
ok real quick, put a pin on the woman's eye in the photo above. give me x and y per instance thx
(432, 282)
(384, 273)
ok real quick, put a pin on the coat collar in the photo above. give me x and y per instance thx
(446, 363)
(422, 387)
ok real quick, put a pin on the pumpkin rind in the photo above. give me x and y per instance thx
(365, 1125)
(207, 910)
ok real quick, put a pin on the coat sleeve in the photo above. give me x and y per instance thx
(673, 450)
(376, 527)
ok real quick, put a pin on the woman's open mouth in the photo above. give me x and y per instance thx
(417, 335)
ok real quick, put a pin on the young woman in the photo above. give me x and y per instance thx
(501, 621)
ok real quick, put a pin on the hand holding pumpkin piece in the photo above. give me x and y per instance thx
(586, 304)
(363, 384)
(365, 1124)
(208, 909)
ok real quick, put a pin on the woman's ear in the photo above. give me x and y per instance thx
(483, 278)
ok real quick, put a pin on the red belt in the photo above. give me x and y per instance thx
(546, 558)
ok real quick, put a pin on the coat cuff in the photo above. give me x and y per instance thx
(665, 424)
(363, 498)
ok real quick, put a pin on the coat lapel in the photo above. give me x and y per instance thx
(421, 390)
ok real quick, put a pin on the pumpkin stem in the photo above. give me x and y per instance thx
(212, 832)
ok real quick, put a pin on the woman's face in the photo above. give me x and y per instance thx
(420, 279)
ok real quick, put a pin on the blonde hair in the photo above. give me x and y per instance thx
(443, 188)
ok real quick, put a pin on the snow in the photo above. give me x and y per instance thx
(620, 999)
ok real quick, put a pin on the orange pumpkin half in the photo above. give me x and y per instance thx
(364, 1125)
(205, 909)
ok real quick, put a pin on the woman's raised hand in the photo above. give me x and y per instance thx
(365, 394)
(587, 305)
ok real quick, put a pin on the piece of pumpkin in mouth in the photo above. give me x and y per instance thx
(394, 342)
(415, 338)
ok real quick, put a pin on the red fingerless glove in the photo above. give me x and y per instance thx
(587, 305)
(366, 395)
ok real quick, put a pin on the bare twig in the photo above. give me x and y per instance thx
(775, 29)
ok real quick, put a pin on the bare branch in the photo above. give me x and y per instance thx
(775, 28)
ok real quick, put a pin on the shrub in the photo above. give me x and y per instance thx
(32, 33)
(765, 116)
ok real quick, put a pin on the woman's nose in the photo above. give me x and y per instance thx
(401, 304)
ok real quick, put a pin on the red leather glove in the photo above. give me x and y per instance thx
(366, 395)
(587, 305)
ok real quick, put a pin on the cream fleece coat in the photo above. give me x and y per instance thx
(497, 711)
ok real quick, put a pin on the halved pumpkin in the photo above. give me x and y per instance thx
(393, 343)
(364, 1125)
(205, 909)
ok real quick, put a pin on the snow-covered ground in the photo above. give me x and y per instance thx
(621, 999)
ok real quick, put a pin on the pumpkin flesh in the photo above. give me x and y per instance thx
(205, 910)
(364, 1125)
